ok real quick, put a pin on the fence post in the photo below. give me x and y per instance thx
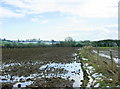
(111, 57)
(97, 53)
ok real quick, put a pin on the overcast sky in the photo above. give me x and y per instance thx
(57, 19)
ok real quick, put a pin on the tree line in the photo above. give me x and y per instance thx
(68, 42)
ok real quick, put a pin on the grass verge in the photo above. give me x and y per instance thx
(100, 66)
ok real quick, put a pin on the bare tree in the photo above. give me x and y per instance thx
(68, 39)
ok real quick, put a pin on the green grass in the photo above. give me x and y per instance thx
(108, 47)
(101, 65)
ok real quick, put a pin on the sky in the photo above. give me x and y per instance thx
(58, 19)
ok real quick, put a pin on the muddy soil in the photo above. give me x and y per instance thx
(37, 54)
(41, 67)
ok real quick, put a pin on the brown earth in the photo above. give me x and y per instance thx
(37, 54)
(31, 59)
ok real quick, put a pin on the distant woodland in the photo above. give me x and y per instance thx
(68, 42)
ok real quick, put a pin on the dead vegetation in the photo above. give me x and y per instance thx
(102, 66)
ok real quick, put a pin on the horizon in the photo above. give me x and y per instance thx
(82, 20)
(52, 39)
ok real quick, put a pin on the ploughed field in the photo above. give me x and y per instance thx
(60, 67)
(41, 67)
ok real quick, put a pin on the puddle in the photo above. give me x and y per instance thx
(23, 84)
(8, 65)
(75, 54)
(97, 75)
(93, 77)
(18, 64)
(80, 49)
(97, 85)
(84, 59)
(116, 59)
(7, 78)
(71, 71)
(90, 79)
